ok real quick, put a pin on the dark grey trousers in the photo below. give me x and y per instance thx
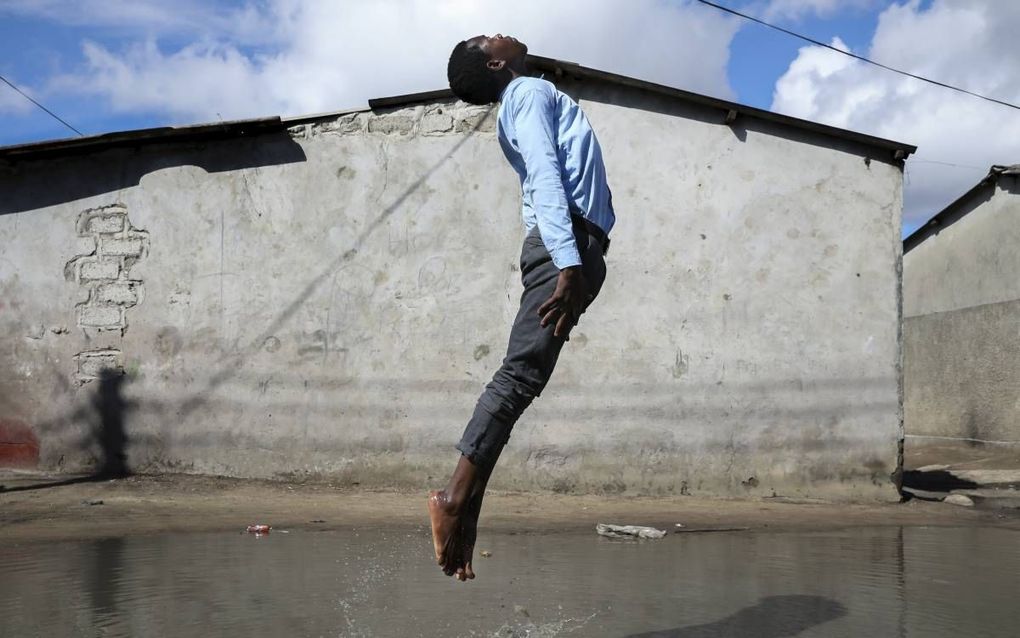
(532, 352)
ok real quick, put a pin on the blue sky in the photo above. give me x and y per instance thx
(107, 65)
(35, 47)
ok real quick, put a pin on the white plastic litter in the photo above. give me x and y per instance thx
(628, 531)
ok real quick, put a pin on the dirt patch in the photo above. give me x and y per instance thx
(55, 508)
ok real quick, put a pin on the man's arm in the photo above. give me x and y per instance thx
(534, 116)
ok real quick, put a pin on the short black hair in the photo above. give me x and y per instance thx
(470, 77)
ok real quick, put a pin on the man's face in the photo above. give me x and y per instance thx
(500, 47)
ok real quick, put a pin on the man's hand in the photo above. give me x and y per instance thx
(567, 302)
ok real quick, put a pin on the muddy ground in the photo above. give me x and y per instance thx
(37, 508)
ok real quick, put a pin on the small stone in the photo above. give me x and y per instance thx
(959, 499)
(486, 554)
(92, 501)
(933, 468)
(520, 609)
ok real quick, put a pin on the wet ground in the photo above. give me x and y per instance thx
(874, 582)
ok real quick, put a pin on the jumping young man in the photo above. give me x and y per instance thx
(568, 212)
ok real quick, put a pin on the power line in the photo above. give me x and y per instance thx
(52, 114)
(917, 160)
(857, 57)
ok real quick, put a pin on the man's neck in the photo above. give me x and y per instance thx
(518, 69)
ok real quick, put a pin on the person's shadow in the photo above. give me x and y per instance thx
(107, 425)
(106, 434)
(772, 617)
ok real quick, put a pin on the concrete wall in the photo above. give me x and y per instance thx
(329, 304)
(961, 292)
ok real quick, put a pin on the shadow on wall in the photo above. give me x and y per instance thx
(68, 179)
(230, 364)
(106, 436)
(772, 617)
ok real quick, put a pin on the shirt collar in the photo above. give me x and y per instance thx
(506, 89)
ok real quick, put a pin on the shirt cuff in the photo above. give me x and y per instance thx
(565, 257)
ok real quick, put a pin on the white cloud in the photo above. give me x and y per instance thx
(319, 56)
(11, 102)
(133, 15)
(797, 9)
(967, 44)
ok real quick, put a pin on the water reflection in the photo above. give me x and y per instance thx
(376, 582)
(102, 580)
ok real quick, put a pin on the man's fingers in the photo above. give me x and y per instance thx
(550, 317)
(564, 325)
(579, 309)
(550, 310)
(549, 304)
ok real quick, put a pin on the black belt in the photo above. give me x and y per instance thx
(592, 229)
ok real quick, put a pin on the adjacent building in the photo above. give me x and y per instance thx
(961, 291)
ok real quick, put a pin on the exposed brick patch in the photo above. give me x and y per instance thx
(121, 293)
(390, 124)
(107, 223)
(94, 316)
(476, 118)
(353, 123)
(116, 247)
(439, 118)
(94, 270)
(91, 363)
(105, 271)
(436, 123)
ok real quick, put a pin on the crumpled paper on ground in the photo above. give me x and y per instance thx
(628, 531)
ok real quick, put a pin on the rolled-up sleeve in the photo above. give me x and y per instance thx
(534, 115)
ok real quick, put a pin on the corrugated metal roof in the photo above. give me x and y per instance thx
(729, 112)
(955, 211)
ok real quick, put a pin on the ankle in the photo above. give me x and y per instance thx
(455, 502)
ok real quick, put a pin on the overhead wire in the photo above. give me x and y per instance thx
(51, 113)
(857, 57)
(706, 3)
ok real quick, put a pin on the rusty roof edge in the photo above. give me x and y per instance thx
(930, 227)
(550, 64)
(76, 145)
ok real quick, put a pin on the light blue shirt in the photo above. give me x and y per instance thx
(550, 143)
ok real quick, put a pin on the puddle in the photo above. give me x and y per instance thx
(864, 582)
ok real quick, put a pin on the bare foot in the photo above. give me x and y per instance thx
(469, 532)
(445, 531)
